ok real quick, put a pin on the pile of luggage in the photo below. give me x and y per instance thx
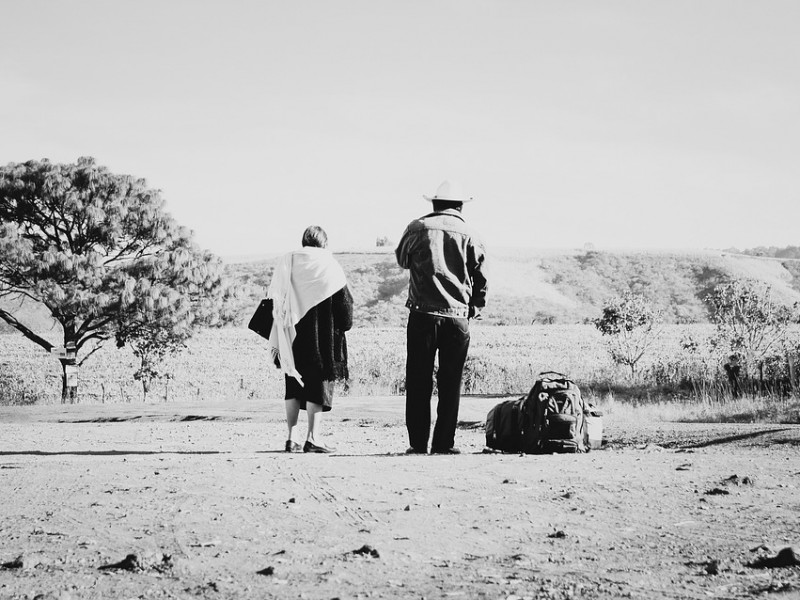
(552, 418)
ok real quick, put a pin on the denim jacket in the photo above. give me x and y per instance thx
(446, 260)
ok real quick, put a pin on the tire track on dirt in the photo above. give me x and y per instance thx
(321, 490)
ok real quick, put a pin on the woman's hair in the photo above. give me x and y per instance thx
(315, 236)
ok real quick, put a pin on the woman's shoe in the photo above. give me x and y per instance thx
(309, 447)
(292, 446)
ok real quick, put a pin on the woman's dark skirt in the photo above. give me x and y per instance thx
(314, 389)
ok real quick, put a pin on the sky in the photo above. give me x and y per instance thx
(622, 124)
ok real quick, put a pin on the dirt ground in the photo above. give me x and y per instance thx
(198, 501)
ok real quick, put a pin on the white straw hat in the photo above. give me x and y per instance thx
(449, 191)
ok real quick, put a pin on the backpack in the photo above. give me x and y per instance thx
(505, 426)
(550, 419)
(560, 415)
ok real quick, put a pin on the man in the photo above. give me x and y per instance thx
(447, 287)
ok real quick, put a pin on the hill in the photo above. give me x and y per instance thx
(537, 286)
(526, 286)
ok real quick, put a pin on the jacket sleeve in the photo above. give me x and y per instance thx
(342, 306)
(478, 270)
(402, 252)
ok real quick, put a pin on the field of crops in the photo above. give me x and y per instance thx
(232, 364)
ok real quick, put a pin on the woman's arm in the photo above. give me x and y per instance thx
(342, 306)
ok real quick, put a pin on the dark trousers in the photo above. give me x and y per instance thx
(427, 334)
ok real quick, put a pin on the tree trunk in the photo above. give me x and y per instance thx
(69, 365)
(145, 375)
(69, 380)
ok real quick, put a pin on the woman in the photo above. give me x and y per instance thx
(312, 308)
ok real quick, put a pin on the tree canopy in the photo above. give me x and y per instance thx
(631, 325)
(749, 321)
(100, 252)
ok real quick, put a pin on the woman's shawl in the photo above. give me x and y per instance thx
(302, 279)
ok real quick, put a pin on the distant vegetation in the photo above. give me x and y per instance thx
(534, 287)
(542, 314)
(528, 287)
(792, 252)
(682, 375)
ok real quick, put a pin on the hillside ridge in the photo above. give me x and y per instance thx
(526, 285)
(559, 286)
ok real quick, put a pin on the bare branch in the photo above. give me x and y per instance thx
(96, 325)
(11, 320)
(130, 247)
(15, 291)
(92, 351)
(97, 335)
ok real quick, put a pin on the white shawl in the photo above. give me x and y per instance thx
(302, 279)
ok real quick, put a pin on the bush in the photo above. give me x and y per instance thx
(14, 391)
(631, 327)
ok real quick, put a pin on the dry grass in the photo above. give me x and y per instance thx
(232, 364)
(747, 409)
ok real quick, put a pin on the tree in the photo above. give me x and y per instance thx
(151, 342)
(99, 252)
(155, 329)
(750, 323)
(632, 327)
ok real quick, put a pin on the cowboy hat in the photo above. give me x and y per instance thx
(449, 191)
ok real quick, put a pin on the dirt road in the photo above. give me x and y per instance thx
(197, 501)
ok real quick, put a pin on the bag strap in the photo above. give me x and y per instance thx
(545, 376)
(553, 373)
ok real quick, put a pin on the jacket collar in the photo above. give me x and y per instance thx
(450, 212)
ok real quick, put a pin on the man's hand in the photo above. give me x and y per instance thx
(474, 313)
